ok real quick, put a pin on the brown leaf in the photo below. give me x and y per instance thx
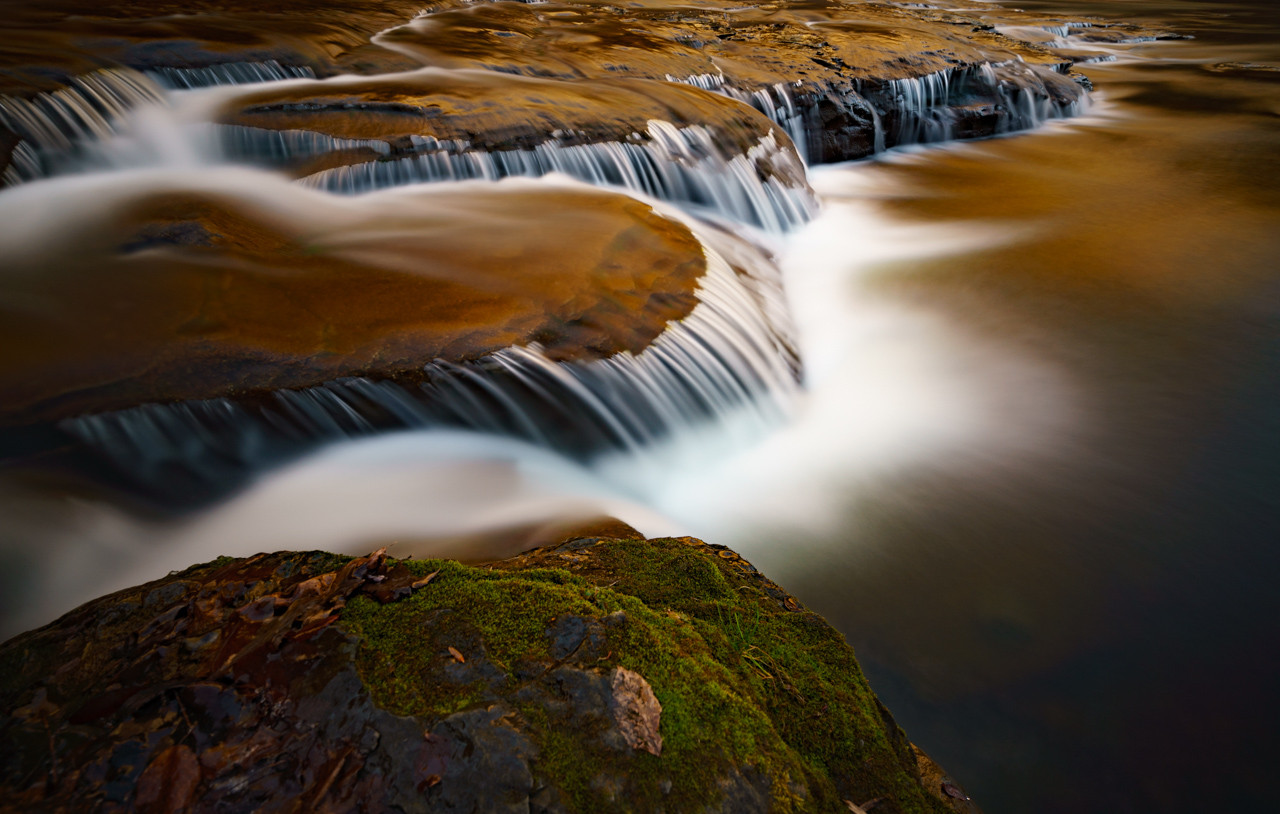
(423, 582)
(169, 781)
(636, 710)
(954, 791)
(453, 651)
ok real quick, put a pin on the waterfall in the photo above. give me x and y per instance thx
(229, 73)
(56, 123)
(731, 353)
(921, 109)
(933, 108)
(262, 146)
(763, 187)
(775, 102)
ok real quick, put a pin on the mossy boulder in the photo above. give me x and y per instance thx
(601, 674)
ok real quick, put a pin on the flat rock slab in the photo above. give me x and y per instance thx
(491, 111)
(598, 675)
(838, 60)
(218, 285)
(48, 41)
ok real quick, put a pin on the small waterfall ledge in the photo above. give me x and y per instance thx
(50, 125)
(228, 73)
(763, 187)
(964, 101)
(732, 354)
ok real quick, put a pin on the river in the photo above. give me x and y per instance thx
(1033, 473)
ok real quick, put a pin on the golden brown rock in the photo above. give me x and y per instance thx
(193, 292)
(491, 111)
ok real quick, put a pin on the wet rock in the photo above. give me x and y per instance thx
(665, 675)
(432, 109)
(198, 290)
(786, 59)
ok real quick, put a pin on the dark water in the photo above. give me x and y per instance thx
(1090, 622)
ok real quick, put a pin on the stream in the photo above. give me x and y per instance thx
(1031, 469)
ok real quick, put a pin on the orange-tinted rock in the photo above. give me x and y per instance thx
(492, 111)
(835, 59)
(50, 40)
(197, 290)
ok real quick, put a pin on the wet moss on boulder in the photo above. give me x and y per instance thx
(601, 674)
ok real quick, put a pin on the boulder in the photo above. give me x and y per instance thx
(600, 674)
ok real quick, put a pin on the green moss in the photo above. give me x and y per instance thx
(754, 690)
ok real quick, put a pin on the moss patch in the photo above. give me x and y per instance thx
(763, 704)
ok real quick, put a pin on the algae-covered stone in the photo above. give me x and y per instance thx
(597, 675)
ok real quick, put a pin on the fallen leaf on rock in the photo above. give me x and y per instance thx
(453, 651)
(954, 791)
(636, 710)
(423, 582)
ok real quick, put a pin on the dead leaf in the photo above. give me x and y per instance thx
(423, 582)
(954, 791)
(453, 651)
(636, 711)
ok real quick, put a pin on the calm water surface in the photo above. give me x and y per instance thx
(1072, 601)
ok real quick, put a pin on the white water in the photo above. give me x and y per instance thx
(888, 385)
(683, 165)
(229, 73)
(730, 357)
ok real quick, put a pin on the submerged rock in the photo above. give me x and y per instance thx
(596, 675)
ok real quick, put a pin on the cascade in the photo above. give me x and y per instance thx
(229, 73)
(56, 123)
(731, 353)
(923, 109)
(775, 102)
(684, 165)
(259, 145)
(929, 108)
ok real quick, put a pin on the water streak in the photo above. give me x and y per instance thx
(776, 102)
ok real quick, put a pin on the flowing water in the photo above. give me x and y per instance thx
(1033, 472)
